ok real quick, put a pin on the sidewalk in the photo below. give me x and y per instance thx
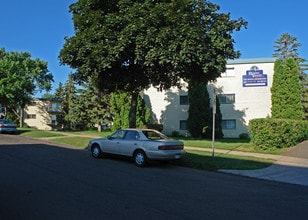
(291, 167)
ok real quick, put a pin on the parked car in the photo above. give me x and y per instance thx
(140, 144)
(7, 126)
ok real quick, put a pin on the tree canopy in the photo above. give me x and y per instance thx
(287, 47)
(130, 45)
(20, 77)
(286, 90)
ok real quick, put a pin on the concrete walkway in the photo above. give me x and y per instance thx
(290, 167)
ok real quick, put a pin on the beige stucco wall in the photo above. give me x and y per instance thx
(166, 108)
(250, 102)
(42, 118)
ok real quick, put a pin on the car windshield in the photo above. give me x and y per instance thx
(154, 135)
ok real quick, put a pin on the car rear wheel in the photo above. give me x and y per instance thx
(96, 151)
(140, 158)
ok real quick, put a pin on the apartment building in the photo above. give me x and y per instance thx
(43, 113)
(243, 91)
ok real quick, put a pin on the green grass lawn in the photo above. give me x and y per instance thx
(27, 132)
(203, 160)
(194, 158)
(81, 142)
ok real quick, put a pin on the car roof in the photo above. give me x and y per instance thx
(137, 129)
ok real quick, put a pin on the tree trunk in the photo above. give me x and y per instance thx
(21, 117)
(133, 109)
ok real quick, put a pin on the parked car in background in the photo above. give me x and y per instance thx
(7, 126)
(140, 144)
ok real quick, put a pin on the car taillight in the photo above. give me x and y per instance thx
(170, 147)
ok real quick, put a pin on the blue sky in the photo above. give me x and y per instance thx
(39, 27)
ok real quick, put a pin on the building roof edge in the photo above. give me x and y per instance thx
(252, 60)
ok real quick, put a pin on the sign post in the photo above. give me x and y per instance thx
(213, 130)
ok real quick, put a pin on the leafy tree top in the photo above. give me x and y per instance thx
(286, 47)
(131, 45)
(20, 77)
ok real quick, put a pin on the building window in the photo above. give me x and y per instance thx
(54, 120)
(183, 125)
(31, 116)
(229, 124)
(55, 107)
(184, 100)
(226, 98)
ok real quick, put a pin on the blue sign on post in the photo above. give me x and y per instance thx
(254, 77)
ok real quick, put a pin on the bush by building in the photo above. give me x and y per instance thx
(267, 133)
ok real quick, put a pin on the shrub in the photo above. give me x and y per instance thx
(244, 136)
(175, 134)
(269, 133)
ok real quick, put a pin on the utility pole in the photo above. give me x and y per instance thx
(213, 130)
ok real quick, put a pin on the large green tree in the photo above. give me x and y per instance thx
(287, 47)
(286, 90)
(130, 45)
(21, 77)
(120, 107)
(90, 108)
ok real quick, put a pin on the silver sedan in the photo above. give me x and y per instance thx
(140, 144)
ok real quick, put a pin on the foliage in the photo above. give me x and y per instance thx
(91, 107)
(127, 45)
(267, 133)
(218, 121)
(120, 107)
(287, 47)
(70, 96)
(305, 95)
(60, 93)
(286, 90)
(175, 134)
(244, 136)
(200, 118)
(83, 107)
(199, 112)
(20, 77)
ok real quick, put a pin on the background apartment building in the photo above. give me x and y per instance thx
(43, 113)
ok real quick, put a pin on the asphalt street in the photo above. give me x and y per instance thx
(42, 180)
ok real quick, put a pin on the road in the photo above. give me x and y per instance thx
(40, 180)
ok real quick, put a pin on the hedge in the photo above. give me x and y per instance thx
(269, 133)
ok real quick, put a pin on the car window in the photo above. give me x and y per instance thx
(131, 135)
(154, 135)
(3, 121)
(118, 134)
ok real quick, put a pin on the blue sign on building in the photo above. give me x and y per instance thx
(254, 77)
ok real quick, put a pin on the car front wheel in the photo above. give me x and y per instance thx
(140, 158)
(96, 151)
